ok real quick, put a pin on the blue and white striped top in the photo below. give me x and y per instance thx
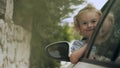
(77, 44)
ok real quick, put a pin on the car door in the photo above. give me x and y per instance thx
(104, 45)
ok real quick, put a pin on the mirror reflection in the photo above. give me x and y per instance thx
(58, 50)
(53, 51)
(107, 41)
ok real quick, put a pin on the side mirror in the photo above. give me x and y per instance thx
(59, 50)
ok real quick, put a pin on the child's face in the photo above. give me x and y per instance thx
(88, 21)
(105, 30)
(107, 26)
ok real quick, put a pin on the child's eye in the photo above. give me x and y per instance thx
(94, 21)
(84, 23)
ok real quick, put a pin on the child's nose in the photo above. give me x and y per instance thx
(89, 24)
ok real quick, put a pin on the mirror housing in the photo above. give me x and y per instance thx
(58, 50)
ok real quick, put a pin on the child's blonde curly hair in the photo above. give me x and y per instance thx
(88, 8)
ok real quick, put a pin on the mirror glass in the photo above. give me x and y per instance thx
(59, 50)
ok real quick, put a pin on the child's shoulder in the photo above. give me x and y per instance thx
(78, 42)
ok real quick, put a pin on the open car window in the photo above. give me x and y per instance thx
(106, 47)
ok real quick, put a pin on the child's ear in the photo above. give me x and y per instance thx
(76, 27)
(76, 24)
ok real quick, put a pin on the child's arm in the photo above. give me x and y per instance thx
(76, 55)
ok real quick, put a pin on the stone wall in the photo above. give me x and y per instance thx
(14, 41)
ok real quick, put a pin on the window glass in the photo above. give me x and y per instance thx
(106, 47)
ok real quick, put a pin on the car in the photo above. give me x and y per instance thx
(107, 48)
